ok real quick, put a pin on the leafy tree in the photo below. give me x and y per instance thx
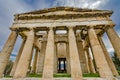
(8, 68)
(116, 61)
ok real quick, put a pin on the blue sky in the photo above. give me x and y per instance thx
(10, 7)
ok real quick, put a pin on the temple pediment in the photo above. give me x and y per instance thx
(62, 12)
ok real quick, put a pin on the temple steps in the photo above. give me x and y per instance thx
(55, 79)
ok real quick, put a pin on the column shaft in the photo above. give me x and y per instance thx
(82, 57)
(108, 58)
(6, 51)
(35, 62)
(49, 56)
(115, 40)
(74, 56)
(23, 64)
(31, 56)
(90, 62)
(98, 53)
(87, 62)
(55, 59)
(68, 58)
(41, 57)
(17, 58)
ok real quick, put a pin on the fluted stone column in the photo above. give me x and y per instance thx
(76, 72)
(31, 56)
(17, 58)
(55, 59)
(108, 58)
(6, 51)
(101, 63)
(41, 57)
(35, 62)
(23, 64)
(115, 40)
(82, 56)
(68, 59)
(49, 56)
(87, 64)
(90, 61)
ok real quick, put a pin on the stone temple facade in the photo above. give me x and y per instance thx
(62, 40)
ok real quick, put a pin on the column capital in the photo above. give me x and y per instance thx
(51, 28)
(31, 29)
(70, 27)
(91, 26)
(105, 28)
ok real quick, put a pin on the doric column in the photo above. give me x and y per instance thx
(55, 59)
(41, 57)
(31, 56)
(24, 61)
(108, 58)
(6, 51)
(82, 56)
(49, 56)
(17, 58)
(90, 61)
(76, 72)
(68, 59)
(34, 65)
(115, 40)
(101, 63)
(87, 64)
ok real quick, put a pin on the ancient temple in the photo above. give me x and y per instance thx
(62, 40)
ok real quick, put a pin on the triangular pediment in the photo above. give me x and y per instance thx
(59, 12)
(67, 9)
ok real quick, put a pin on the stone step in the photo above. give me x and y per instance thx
(55, 79)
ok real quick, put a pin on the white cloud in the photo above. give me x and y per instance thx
(111, 50)
(80, 3)
(95, 4)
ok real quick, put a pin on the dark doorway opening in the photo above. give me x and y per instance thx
(62, 65)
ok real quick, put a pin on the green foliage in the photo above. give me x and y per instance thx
(119, 72)
(116, 61)
(91, 75)
(8, 68)
(35, 75)
(62, 75)
(7, 76)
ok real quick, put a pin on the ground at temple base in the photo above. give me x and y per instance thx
(55, 79)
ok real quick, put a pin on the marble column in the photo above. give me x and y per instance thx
(41, 57)
(108, 58)
(49, 56)
(55, 59)
(68, 59)
(115, 40)
(76, 72)
(90, 61)
(17, 58)
(23, 64)
(6, 51)
(35, 62)
(87, 62)
(82, 56)
(101, 63)
(31, 56)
